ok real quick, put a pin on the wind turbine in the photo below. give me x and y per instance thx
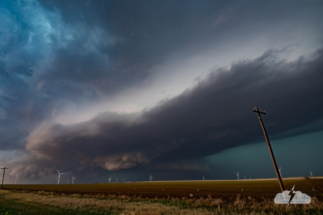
(244, 176)
(311, 174)
(238, 175)
(59, 176)
(117, 180)
(110, 179)
(16, 179)
(280, 172)
(151, 177)
(73, 179)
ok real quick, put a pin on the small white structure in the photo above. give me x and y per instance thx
(59, 176)
(73, 178)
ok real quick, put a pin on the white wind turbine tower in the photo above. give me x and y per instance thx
(73, 179)
(59, 176)
(280, 171)
(311, 174)
(16, 179)
(151, 177)
(117, 180)
(110, 179)
(238, 175)
(203, 178)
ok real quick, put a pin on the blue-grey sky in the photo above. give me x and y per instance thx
(129, 88)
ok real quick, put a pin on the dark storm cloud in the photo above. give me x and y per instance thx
(57, 54)
(150, 31)
(213, 116)
(45, 64)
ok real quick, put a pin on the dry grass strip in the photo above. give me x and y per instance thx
(126, 205)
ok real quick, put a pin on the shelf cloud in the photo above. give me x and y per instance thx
(110, 87)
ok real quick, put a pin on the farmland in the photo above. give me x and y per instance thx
(160, 197)
(225, 189)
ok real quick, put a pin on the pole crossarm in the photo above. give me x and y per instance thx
(255, 109)
(281, 184)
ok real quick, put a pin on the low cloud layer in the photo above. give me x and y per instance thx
(213, 116)
(120, 161)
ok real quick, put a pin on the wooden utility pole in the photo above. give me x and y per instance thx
(255, 109)
(4, 170)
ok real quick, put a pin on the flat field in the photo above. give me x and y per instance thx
(160, 198)
(224, 189)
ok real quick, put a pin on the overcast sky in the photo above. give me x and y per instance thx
(131, 88)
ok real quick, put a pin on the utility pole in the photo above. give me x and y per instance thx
(255, 109)
(4, 170)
